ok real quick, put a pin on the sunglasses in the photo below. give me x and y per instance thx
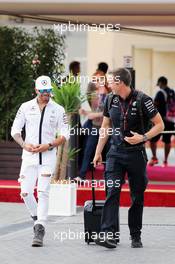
(45, 91)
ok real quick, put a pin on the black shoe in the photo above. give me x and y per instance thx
(116, 241)
(105, 241)
(35, 218)
(39, 232)
(136, 242)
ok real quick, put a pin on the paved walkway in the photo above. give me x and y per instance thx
(16, 237)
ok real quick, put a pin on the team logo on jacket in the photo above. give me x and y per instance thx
(116, 100)
(33, 108)
(134, 103)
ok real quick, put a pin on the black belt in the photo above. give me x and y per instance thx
(124, 147)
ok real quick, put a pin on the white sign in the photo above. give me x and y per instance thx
(127, 61)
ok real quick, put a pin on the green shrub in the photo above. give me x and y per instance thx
(15, 74)
(18, 47)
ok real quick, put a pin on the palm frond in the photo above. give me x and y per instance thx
(69, 96)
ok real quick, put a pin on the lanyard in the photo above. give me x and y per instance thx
(125, 113)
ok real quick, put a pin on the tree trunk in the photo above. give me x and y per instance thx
(62, 168)
(62, 160)
(74, 144)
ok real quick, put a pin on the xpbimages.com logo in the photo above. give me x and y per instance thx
(101, 132)
(71, 27)
(72, 235)
(83, 79)
(101, 184)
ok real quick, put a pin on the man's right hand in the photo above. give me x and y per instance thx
(82, 112)
(97, 160)
(29, 147)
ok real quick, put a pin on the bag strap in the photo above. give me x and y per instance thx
(110, 98)
(164, 94)
(139, 104)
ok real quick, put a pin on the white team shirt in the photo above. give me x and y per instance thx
(40, 128)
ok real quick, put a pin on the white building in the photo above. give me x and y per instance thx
(140, 22)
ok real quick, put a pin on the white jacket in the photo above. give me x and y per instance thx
(40, 128)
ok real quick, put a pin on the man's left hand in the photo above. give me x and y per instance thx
(135, 139)
(41, 148)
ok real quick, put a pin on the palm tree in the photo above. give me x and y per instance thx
(68, 96)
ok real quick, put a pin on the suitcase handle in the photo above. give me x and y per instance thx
(93, 188)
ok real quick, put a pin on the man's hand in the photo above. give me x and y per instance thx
(135, 139)
(82, 112)
(29, 147)
(97, 160)
(91, 116)
(40, 148)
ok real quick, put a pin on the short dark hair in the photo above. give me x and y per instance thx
(74, 65)
(123, 75)
(162, 80)
(103, 66)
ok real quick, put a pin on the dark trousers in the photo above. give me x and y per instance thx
(89, 147)
(120, 162)
(89, 151)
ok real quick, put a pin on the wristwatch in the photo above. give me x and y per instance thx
(145, 138)
(51, 146)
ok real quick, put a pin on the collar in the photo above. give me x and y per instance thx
(128, 98)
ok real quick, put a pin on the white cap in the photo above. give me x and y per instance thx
(43, 82)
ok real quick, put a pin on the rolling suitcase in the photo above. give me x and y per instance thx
(92, 217)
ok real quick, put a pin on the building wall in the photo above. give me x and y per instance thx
(143, 65)
(164, 64)
(152, 56)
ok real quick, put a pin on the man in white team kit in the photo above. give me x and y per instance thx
(43, 119)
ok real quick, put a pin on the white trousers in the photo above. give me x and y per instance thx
(29, 176)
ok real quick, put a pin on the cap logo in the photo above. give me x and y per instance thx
(44, 82)
(115, 100)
